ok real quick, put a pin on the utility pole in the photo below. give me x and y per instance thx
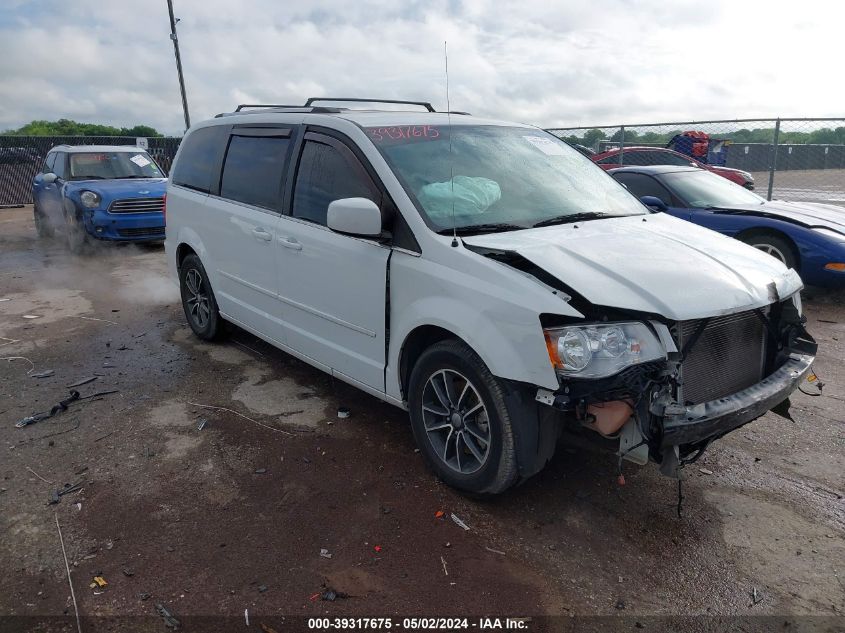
(175, 40)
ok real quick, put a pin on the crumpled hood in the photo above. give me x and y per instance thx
(652, 263)
(805, 213)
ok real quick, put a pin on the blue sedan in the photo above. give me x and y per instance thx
(806, 236)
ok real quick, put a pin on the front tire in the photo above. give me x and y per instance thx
(778, 247)
(78, 240)
(460, 421)
(198, 300)
(42, 225)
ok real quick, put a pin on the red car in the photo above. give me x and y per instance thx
(643, 156)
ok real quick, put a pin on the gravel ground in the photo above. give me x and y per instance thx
(234, 516)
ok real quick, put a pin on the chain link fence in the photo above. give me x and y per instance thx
(788, 159)
(21, 158)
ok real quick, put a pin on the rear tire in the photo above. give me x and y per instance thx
(198, 300)
(778, 247)
(460, 421)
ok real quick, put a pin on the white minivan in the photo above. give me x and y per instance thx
(483, 275)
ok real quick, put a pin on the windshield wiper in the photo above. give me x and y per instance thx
(572, 217)
(492, 227)
(132, 176)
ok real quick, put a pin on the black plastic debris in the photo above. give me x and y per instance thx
(143, 596)
(169, 619)
(43, 374)
(61, 406)
(330, 595)
(343, 412)
(56, 495)
(127, 572)
(262, 588)
(82, 381)
(260, 471)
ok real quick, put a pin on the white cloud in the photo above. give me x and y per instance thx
(534, 61)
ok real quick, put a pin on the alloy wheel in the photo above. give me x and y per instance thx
(456, 421)
(197, 300)
(771, 250)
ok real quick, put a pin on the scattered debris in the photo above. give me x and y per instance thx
(705, 471)
(201, 424)
(306, 460)
(139, 335)
(262, 588)
(267, 628)
(9, 341)
(102, 437)
(67, 569)
(61, 406)
(620, 604)
(443, 561)
(439, 514)
(459, 523)
(11, 358)
(241, 415)
(342, 412)
(31, 316)
(127, 572)
(82, 381)
(123, 348)
(260, 471)
(39, 476)
(495, 551)
(169, 619)
(43, 374)
(100, 581)
(377, 548)
(330, 595)
(325, 553)
(246, 616)
(56, 495)
(254, 351)
(756, 598)
(144, 596)
(96, 319)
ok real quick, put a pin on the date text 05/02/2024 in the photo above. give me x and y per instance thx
(418, 624)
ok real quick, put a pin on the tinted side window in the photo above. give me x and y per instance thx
(325, 175)
(198, 158)
(253, 170)
(641, 185)
(634, 158)
(609, 160)
(59, 164)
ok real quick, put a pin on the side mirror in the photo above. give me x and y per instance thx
(354, 216)
(49, 178)
(654, 202)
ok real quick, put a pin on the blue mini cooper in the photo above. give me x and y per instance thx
(99, 192)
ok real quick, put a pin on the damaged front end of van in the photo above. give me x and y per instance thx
(664, 359)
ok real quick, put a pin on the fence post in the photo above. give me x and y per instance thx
(621, 144)
(774, 161)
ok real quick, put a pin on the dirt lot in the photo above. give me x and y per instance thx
(233, 517)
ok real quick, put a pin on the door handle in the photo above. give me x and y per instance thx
(290, 242)
(261, 234)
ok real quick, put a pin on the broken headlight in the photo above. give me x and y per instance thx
(90, 199)
(597, 351)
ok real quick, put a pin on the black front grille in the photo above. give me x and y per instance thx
(137, 205)
(146, 231)
(728, 356)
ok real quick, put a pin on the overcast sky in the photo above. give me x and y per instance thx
(536, 61)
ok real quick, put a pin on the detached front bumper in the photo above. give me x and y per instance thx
(709, 420)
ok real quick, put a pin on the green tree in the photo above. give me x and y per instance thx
(66, 127)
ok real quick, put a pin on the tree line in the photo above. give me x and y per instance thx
(66, 127)
(830, 136)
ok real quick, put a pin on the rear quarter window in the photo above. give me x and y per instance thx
(196, 167)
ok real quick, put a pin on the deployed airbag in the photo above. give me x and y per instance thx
(471, 196)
